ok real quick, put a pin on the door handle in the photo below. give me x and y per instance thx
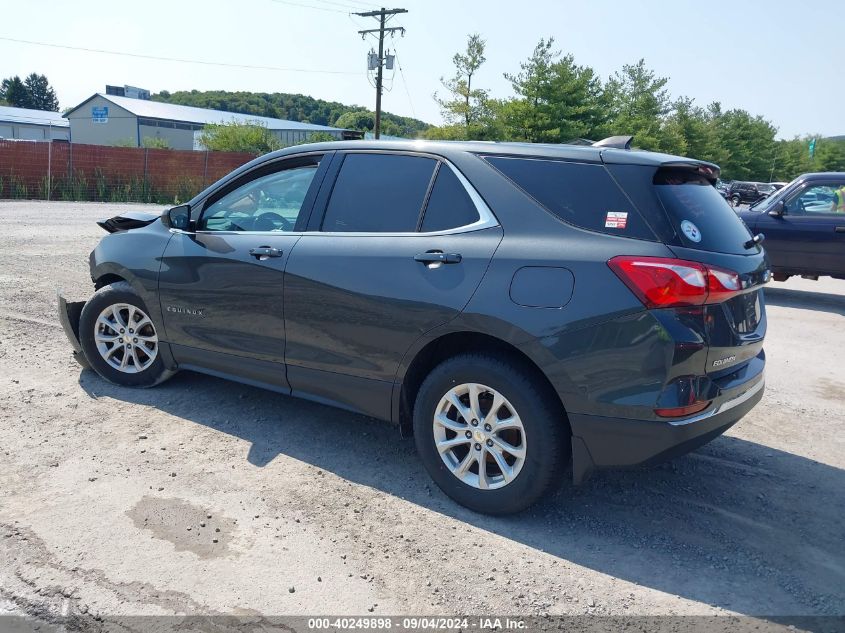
(438, 257)
(839, 229)
(263, 252)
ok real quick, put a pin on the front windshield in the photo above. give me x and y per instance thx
(765, 203)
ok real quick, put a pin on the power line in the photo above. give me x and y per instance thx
(345, 7)
(349, 5)
(179, 60)
(308, 6)
(405, 83)
(382, 15)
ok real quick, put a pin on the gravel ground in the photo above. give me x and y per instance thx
(207, 497)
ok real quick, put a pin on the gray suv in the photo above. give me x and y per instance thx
(524, 311)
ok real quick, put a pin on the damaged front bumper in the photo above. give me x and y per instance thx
(69, 313)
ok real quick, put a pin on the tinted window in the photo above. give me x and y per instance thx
(579, 193)
(379, 193)
(701, 217)
(449, 205)
(268, 203)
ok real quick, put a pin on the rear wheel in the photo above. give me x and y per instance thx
(119, 338)
(489, 435)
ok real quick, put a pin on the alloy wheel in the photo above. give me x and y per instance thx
(479, 436)
(126, 338)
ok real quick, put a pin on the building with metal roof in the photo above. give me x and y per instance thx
(32, 125)
(105, 119)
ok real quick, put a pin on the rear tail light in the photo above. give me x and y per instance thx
(722, 284)
(665, 282)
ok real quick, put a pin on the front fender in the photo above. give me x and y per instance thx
(134, 256)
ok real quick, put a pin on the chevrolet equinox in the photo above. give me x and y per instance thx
(524, 311)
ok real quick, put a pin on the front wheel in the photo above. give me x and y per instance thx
(736, 201)
(489, 435)
(120, 340)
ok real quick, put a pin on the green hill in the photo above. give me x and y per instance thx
(282, 105)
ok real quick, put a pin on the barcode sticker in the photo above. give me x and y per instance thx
(616, 220)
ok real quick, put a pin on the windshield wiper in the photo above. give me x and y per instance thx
(754, 241)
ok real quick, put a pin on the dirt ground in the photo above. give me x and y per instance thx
(208, 497)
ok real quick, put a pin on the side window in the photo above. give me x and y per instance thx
(582, 194)
(381, 193)
(449, 205)
(818, 199)
(268, 203)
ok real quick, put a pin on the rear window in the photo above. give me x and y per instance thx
(700, 215)
(582, 194)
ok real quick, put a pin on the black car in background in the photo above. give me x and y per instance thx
(804, 225)
(747, 192)
(515, 307)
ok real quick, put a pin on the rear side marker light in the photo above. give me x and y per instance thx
(665, 282)
(677, 412)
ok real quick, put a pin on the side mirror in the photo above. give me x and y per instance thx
(778, 209)
(178, 218)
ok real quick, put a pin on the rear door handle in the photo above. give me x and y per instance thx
(263, 252)
(839, 229)
(435, 257)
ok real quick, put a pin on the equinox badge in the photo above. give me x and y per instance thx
(191, 311)
(724, 361)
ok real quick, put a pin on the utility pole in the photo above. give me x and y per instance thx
(383, 15)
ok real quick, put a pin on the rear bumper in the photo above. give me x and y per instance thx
(69, 312)
(600, 442)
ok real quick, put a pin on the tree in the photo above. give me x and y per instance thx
(638, 100)
(41, 94)
(238, 137)
(465, 105)
(34, 92)
(454, 132)
(744, 144)
(557, 99)
(792, 157)
(829, 155)
(687, 131)
(155, 142)
(14, 92)
(288, 106)
(362, 120)
(319, 137)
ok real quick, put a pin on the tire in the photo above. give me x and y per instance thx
(544, 435)
(108, 346)
(736, 201)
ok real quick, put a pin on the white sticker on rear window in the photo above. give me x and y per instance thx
(616, 220)
(691, 231)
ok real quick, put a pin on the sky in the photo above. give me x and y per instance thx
(775, 58)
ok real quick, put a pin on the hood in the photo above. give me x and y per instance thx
(127, 221)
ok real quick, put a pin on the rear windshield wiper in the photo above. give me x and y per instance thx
(754, 241)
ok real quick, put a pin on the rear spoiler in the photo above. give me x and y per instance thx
(708, 170)
(662, 161)
(616, 142)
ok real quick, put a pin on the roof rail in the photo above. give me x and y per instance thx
(618, 142)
